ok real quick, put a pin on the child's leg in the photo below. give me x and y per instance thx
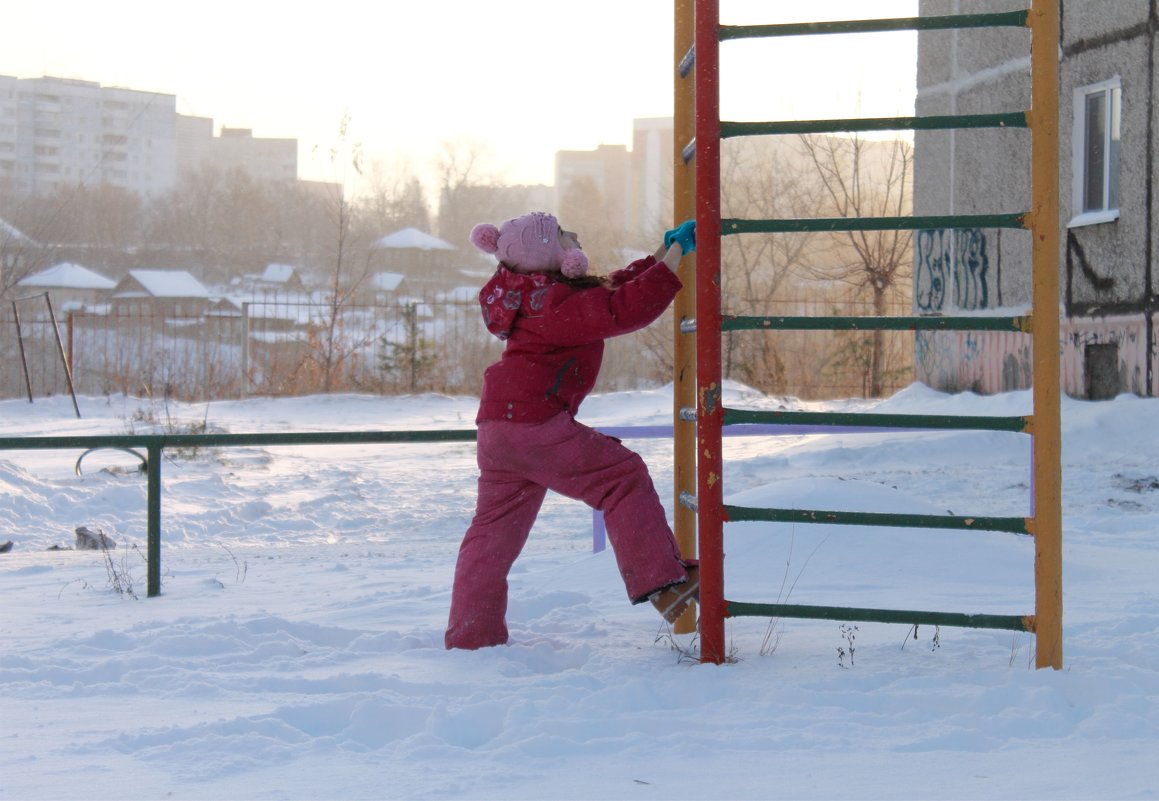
(600, 471)
(504, 513)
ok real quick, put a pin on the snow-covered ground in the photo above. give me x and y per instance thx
(296, 650)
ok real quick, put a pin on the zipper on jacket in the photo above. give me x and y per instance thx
(559, 377)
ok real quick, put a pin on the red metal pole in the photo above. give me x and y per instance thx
(710, 414)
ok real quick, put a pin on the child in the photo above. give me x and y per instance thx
(555, 319)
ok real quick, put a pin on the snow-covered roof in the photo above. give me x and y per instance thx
(67, 275)
(278, 273)
(163, 284)
(9, 231)
(412, 238)
(386, 282)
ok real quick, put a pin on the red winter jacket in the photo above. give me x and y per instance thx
(555, 335)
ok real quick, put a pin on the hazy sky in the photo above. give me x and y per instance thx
(525, 78)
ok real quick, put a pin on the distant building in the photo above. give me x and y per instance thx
(65, 132)
(424, 260)
(652, 176)
(266, 160)
(172, 293)
(277, 279)
(607, 169)
(70, 286)
(59, 131)
(636, 185)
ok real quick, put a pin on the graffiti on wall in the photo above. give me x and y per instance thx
(956, 260)
(952, 274)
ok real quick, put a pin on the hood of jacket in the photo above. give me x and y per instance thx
(509, 294)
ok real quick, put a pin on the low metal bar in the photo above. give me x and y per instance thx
(1014, 525)
(1008, 19)
(1020, 323)
(953, 221)
(1013, 119)
(863, 615)
(866, 420)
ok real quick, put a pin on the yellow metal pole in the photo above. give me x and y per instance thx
(1046, 518)
(684, 350)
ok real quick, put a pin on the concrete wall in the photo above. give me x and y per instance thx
(1107, 290)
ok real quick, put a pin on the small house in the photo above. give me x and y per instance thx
(171, 293)
(424, 260)
(70, 286)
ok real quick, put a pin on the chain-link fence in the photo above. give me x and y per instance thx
(285, 347)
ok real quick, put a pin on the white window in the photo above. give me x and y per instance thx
(1095, 152)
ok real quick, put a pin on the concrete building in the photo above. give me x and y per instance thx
(652, 176)
(636, 185)
(63, 132)
(58, 131)
(265, 159)
(608, 169)
(1107, 166)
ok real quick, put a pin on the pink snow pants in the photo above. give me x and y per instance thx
(518, 464)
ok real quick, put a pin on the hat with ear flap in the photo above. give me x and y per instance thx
(530, 244)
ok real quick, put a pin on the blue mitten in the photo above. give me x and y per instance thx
(683, 235)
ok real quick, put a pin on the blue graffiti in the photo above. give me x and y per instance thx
(971, 265)
(945, 255)
(933, 256)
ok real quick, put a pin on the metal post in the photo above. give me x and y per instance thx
(1046, 523)
(63, 359)
(23, 356)
(153, 516)
(245, 349)
(710, 411)
(684, 349)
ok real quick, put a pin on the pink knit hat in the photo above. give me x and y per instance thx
(530, 244)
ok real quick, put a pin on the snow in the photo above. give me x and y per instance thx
(67, 275)
(11, 232)
(163, 284)
(296, 649)
(412, 238)
(278, 273)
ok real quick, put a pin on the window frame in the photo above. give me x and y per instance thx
(1112, 90)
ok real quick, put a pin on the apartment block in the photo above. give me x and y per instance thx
(60, 131)
(265, 159)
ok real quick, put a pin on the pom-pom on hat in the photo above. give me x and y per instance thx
(530, 244)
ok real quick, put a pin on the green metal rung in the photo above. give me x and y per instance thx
(846, 323)
(1008, 19)
(927, 422)
(863, 615)
(230, 440)
(956, 221)
(1014, 525)
(1016, 119)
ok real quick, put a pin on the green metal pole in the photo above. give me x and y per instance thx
(153, 546)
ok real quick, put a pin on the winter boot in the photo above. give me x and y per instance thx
(671, 601)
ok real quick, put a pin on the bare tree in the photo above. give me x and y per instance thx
(465, 184)
(762, 179)
(348, 260)
(863, 178)
(583, 209)
(394, 199)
